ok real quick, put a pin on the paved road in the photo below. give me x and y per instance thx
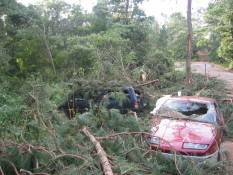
(217, 71)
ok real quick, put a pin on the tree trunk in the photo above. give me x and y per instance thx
(127, 12)
(189, 44)
(48, 49)
(107, 170)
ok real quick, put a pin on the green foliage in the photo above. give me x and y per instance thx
(220, 23)
(177, 36)
(227, 111)
(115, 37)
(11, 107)
(158, 64)
(126, 11)
(102, 17)
(212, 88)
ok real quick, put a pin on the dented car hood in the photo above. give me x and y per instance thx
(174, 132)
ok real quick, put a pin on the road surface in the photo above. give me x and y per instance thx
(213, 70)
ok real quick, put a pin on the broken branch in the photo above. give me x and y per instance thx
(1, 171)
(147, 83)
(100, 152)
(30, 173)
(13, 166)
(70, 155)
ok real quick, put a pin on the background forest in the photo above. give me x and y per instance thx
(49, 50)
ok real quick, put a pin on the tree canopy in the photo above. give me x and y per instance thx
(219, 18)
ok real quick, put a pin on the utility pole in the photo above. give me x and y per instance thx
(189, 44)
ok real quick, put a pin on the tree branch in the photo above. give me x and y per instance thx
(147, 83)
(107, 170)
(30, 173)
(1, 171)
(13, 166)
(70, 155)
(48, 49)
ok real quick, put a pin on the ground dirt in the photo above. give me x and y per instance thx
(213, 70)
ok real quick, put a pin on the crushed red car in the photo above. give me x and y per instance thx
(187, 126)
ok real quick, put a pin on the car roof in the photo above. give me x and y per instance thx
(194, 98)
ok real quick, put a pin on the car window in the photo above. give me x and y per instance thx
(191, 109)
(187, 107)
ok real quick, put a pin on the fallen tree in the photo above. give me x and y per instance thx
(101, 153)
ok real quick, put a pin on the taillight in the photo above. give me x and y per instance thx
(136, 105)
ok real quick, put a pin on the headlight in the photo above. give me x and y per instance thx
(154, 140)
(195, 146)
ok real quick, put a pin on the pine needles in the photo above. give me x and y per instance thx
(45, 141)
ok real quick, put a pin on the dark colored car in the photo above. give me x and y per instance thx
(81, 101)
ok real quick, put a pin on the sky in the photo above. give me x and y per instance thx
(160, 9)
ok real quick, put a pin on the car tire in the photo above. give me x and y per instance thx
(223, 155)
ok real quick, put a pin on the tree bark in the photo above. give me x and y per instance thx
(127, 12)
(48, 49)
(1, 171)
(189, 44)
(100, 152)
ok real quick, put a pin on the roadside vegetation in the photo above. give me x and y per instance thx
(32, 130)
(50, 50)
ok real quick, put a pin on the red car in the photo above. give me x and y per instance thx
(187, 126)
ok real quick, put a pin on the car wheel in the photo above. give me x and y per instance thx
(223, 155)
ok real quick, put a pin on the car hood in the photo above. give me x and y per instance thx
(173, 133)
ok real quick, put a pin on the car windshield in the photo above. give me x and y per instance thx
(188, 109)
